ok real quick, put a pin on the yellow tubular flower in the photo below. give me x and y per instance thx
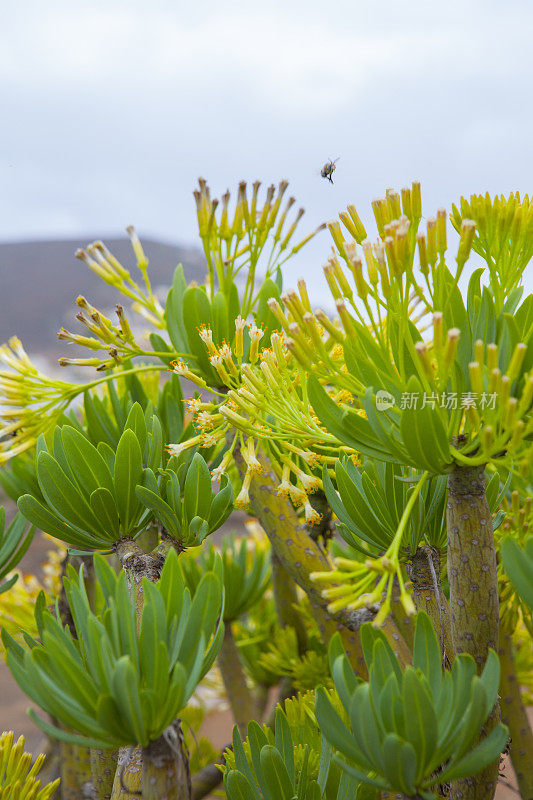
(18, 778)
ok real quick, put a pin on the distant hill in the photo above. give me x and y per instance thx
(39, 283)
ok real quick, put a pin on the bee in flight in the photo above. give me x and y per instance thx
(328, 169)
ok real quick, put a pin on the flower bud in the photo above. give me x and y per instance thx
(441, 232)
(329, 326)
(492, 357)
(406, 203)
(476, 379)
(329, 272)
(422, 353)
(302, 288)
(416, 200)
(360, 232)
(450, 348)
(517, 359)
(381, 215)
(393, 203)
(240, 325)
(335, 229)
(432, 241)
(422, 253)
(142, 261)
(505, 390)
(346, 319)
(487, 439)
(291, 230)
(275, 307)
(438, 334)
(468, 231)
(299, 355)
(371, 264)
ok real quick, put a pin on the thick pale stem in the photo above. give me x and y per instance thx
(301, 556)
(165, 772)
(286, 601)
(103, 768)
(404, 622)
(473, 581)
(240, 697)
(75, 770)
(429, 597)
(515, 717)
(136, 564)
(127, 782)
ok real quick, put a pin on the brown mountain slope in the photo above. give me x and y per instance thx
(39, 283)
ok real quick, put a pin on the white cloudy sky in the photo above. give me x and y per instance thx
(111, 109)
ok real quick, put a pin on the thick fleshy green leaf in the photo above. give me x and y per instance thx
(284, 743)
(238, 787)
(128, 470)
(50, 523)
(197, 491)
(519, 566)
(104, 508)
(477, 759)
(426, 653)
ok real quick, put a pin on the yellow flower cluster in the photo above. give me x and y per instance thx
(18, 777)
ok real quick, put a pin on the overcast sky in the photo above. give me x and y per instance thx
(110, 110)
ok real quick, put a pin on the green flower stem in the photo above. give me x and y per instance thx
(301, 556)
(103, 768)
(473, 581)
(75, 770)
(429, 597)
(515, 717)
(83, 387)
(165, 770)
(286, 601)
(240, 697)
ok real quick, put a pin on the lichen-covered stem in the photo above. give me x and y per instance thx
(240, 697)
(515, 717)
(429, 597)
(403, 621)
(127, 782)
(473, 581)
(286, 601)
(165, 771)
(137, 565)
(75, 770)
(301, 556)
(103, 768)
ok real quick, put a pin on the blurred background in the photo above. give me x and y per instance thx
(112, 109)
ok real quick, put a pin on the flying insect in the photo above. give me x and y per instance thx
(328, 169)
